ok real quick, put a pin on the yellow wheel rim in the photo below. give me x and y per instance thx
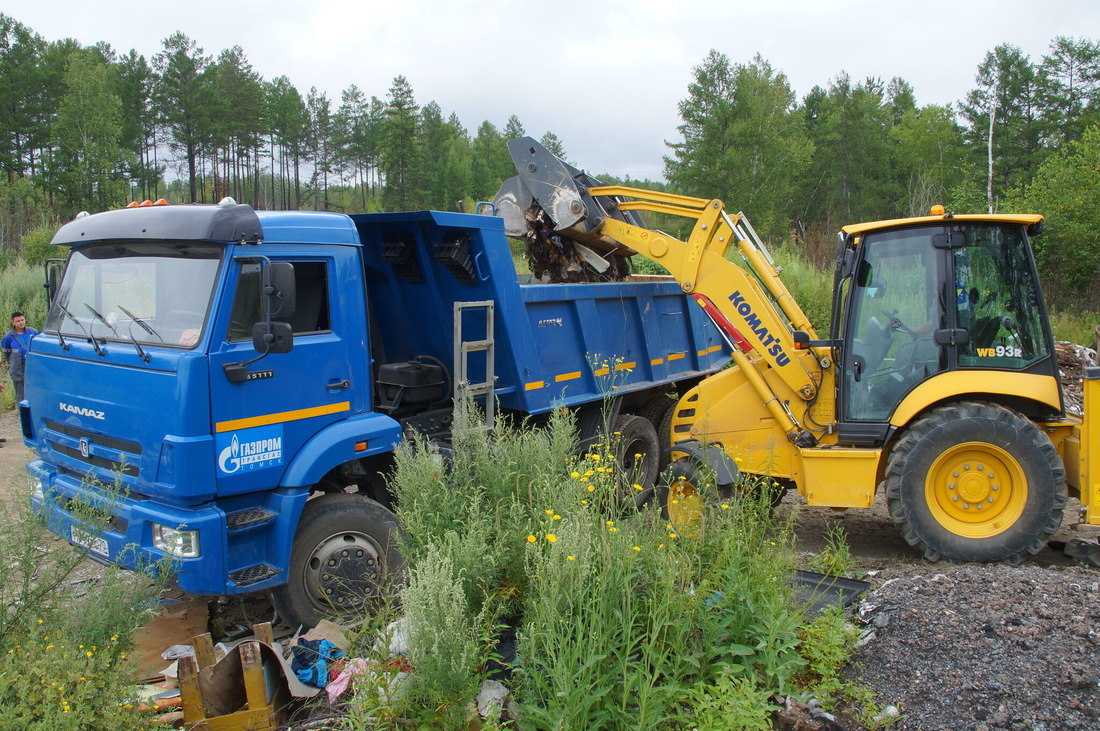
(976, 490)
(685, 506)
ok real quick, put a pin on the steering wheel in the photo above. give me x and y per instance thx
(895, 323)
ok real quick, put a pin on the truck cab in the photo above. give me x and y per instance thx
(150, 374)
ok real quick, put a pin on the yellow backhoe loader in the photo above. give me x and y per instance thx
(937, 382)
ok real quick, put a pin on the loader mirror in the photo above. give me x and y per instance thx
(875, 286)
(954, 240)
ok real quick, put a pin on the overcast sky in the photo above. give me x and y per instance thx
(604, 75)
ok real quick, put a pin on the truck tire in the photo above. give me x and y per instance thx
(637, 450)
(344, 556)
(975, 482)
(658, 412)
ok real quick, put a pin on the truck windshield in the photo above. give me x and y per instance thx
(153, 293)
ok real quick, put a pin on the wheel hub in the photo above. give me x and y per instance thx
(345, 570)
(685, 506)
(976, 490)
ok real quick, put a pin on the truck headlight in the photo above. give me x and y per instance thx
(39, 493)
(176, 542)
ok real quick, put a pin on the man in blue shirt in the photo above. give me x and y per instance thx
(15, 344)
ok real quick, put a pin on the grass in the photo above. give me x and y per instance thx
(620, 620)
(66, 663)
(1075, 327)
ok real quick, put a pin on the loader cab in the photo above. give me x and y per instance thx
(930, 296)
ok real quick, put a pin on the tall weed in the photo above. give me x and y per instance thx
(65, 651)
(622, 621)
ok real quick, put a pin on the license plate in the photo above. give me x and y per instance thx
(87, 540)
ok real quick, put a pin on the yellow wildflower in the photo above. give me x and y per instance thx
(551, 537)
(531, 539)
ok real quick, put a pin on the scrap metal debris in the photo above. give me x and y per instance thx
(1072, 361)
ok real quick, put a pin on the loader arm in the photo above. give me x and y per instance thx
(750, 304)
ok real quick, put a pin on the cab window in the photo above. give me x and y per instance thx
(312, 290)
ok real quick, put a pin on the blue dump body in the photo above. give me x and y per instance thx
(147, 371)
(554, 341)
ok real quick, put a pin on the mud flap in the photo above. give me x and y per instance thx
(726, 471)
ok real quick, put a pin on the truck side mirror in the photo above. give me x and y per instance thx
(279, 290)
(272, 337)
(54, 269)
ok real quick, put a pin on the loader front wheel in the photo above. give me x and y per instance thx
(344, 558)
(681, 496)
(975, 482)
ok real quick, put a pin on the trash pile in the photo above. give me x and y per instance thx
(1072, 361)
(261, 684)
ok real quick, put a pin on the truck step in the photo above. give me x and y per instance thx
(248, 518)
(252, 574)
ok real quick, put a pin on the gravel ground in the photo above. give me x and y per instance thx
(985, 647)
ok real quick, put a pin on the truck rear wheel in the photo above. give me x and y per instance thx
(976, 482)
(658, 412)
(637, 451)
(344, 555)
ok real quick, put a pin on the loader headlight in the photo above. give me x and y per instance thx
(176, 542)
(39, 493)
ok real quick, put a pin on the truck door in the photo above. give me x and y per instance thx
(261, 422)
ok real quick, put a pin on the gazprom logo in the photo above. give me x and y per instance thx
(250, 449)
(770, 343)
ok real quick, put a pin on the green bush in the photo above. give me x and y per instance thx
(66, 664)
(622, 621)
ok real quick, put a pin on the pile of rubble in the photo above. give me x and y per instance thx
(1072, 361)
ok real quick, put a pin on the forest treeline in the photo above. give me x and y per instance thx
(91, 128)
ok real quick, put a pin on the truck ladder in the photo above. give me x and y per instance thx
(463, 348)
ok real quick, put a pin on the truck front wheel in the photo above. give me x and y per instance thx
(344, 556)
(976, 482)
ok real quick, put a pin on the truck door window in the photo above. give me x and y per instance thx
(311, 314)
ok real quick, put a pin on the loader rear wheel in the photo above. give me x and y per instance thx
(344, 555)
(975, 482)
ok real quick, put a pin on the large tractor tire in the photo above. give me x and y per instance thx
(344, 557)
(975, 482)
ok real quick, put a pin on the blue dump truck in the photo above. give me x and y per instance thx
(245, 376)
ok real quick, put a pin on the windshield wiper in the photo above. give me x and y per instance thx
(129, 331)
(99, 351)
(102, 352)
(141, 323)
(101, 318)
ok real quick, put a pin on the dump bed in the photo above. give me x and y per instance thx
(555, 344)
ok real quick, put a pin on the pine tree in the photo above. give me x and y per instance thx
(183, 98)
(91, 164)
(401, 153)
